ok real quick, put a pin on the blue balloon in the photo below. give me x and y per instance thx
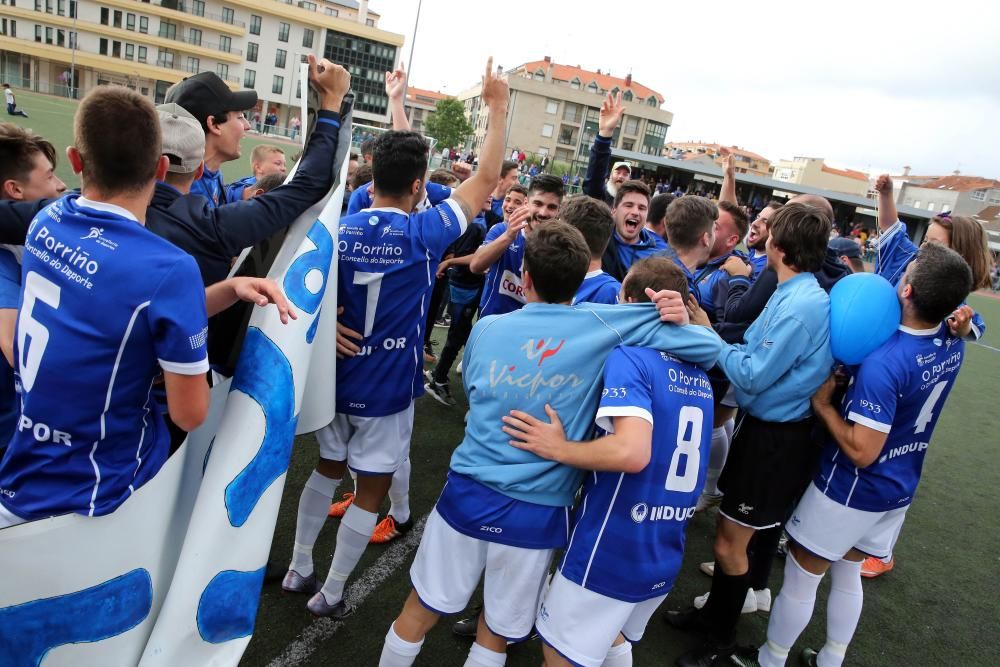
(864, 313)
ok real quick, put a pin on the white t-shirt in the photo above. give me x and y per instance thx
(9, 94)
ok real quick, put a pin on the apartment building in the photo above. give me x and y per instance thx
(962, 195)
(420, 105)
(814, 172)
(746, 162)
(66, 47)
(554, 111)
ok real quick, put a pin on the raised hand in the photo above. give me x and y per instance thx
(495, 91)
(883, 184)
(332, 81)
(518, 220)
(611, 114)
(395, 83)
(728, 160)
(670, 306)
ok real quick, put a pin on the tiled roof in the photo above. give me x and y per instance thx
(604, 81)
(961, 183)
(715, 148)
(413, 93)
(989, 213)
(846, 173)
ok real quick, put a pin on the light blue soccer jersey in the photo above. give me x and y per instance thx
(598, 287)
(106, 305)
(503, 292)
(635, 523)
(899, 389)
(361, 198)
(386, 265)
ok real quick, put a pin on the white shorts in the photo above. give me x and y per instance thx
(8, 518)
(370, 445)
(448, 566)
(829, 529)
(729, 400)
(582, 625)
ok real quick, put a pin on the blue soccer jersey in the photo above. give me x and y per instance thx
(386, 266)
(598, 287)
(361, 198)
(503, 292)
(211, 187)
(635, 523)
(234, 191)
(105, 305)
(899, 389)
(10, 296)
(758, 260)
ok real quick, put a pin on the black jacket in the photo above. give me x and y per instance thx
(597, 171)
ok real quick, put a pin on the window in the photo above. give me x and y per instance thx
(311, 6)
(48, 6)
(283, 29)
(130, 52)
(249, 78)
(551, 106)
(568, 135)
(628, 145)
(916, 204)
(370, 23)
(118, 18)
(60, 38)
(130, 22)
(995, 197)
(331, 12)
(194, 36)
(72, 39)
(979, 195)
(592, 88)
(142, 54)
(61, 7)
(651, 101)
(72, 9)
(168, 30)
(564, 155)
(227, 15)
(105, 14)
(307, 38)
(116, 49)
(13, 27)
(539, 75)
(198, 7)
(102, 47)
(251, 52)
(278, 85)
(143, 24)
(547, 130)
(254, 24)
(298, 89)
(279, 58)
(930, 206)
(632, 125)
(575, 84)
(572, 112)
(225, 43)
(627, 96)
(222, 69)
(193, 64)
(48, 35)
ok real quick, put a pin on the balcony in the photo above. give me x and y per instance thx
(166, 63)
(198, 41)
(188, 8)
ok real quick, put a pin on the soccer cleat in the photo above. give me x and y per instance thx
(706, 655)
(707, 501)
(429, 356)
(750, 603)
(444, 321)
(745, 656)
(763, 600)
(440, 392)
(809, 657)
(320, 607)
(875, 567)
(339, 509)
(688, 620)
(296, 583)
(708, 568)
(387, 530)
(467, 627)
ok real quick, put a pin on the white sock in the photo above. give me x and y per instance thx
(480, 656)
(716, 459)
(730, 426)
(399, 493)
(790, 613)
(397, 652)
(314, 504)
(356, 529)
(843, 610)
(619, 656)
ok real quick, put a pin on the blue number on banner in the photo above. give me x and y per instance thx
(313, 260)
(228, 605)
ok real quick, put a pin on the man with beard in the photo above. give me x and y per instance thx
(502, 252)
(757, 238)
(630, 240)
(594, 184)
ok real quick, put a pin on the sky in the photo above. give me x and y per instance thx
(866, 85)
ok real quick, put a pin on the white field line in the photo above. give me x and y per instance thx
(322, 629)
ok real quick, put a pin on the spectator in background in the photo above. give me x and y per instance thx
(656, 218)
(265, 160)
(849, 253)
(362, 176)
(594, 184)
(367, 145)
(294, 124)
(265, 184)
(12, 109)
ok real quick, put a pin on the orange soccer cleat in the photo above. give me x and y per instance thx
(338, 509)
(388, 529)
(876, 567)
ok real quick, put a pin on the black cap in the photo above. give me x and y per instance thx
(205, 94)
(845, 247)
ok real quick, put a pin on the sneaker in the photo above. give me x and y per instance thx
(459, 369)
(688, 620)
(808, 657)
(706, 655)
(440, 392)
(338, 509)
(443, 322)
(429, 357)
(745, 656)
(763, 600)
(296, 583)
(876, 567)
(467, 627)
(708, 568)
(320, 607)
(388, 529)
(750, 604)
(783, 545)
(708, 501)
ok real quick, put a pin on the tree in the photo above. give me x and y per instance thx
(448, 124)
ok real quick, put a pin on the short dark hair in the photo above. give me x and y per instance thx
(398, 159)
(658, 207)
(117, 133)
(362, 176)
(802, 232)
(353, 157)
(506, 167)
(739, 217)
(941, 281)
(557, 258)
(628, 187)
(517, 187)
(657, 273)
(18, 147)
(592, 218)
(689, 217)
(269, 182)
(444, 177)
(547, 183)
(367, 147)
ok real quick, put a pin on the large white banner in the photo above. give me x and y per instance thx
(173, 577)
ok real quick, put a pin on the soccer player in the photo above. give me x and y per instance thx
(508, 177)
(221, 114)
(648, 472)
(656, 218)
(631, 241)
(730, 228)
(502, 252)
(757, 239)
(385, 269)
(106, 305)
(785, 358)
(599, 183)
(264, 161)
(12, 109)
(690, 235)
(593, 218)
(506, 510)
(871, 464)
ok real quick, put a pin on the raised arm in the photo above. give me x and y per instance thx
(611, 114)
(728, 192)
(395, 88)
(887, 214)
(471, 194)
